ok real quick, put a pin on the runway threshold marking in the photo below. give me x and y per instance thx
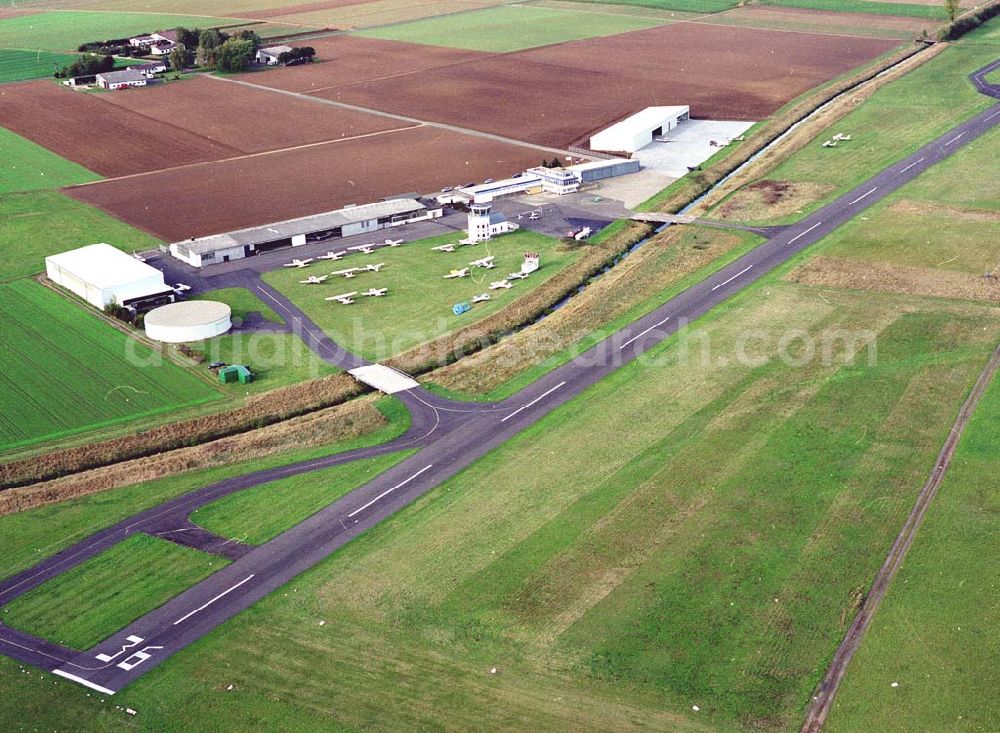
(865, 195)
(640, 335)
(389, 491)
(734, 276)
(539, 398)
(209, 603)
(799, 236)
(912, 164)
(84, 682)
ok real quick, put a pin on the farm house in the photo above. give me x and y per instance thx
(121, 79)
(103, 275)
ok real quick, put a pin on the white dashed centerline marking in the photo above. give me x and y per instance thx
(799, 236)
(389, 491)
(732, 278)
(954, 139)
(82, 681)
(991, 116)
(864, 196)
(537, 399)
(209, 603)
(640, 335)
(912, 164)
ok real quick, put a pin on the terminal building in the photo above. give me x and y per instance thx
(636, 132)
(103, 276)
(345, 222)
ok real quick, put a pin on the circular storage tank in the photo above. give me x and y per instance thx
(189, 320)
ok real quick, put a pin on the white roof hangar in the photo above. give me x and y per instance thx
(344, 222)
(637, 131)
(102, 275)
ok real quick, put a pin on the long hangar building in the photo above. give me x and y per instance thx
(295, 232)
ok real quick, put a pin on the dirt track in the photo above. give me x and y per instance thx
(221, 196)
(556, 95)
(822, 700)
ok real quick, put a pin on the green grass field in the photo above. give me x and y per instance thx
(690, 6)
(987, 33)
(417, 307)
(65, 31)
(510, 28)
(93, 600)
(20, 65)
(40, 223)
(243, 302)
(919, 10)
(35, 534)
(64, 370)
(935, 632)
(25, 166)
(263, 512)
(893, 123)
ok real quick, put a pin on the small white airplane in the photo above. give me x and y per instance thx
(344, 298)
(374, 268)
(349, 272)
(536, 214)
(375, 292)
(517, 276)
(457, 273)
(486, 262)
(365, 249)
(445, 248)
(501, 285)
(314, 279)
(394, 242)
(182, 288)
(298, 263)
(480, 298)
(334, 256)
(830, 144)
(842, 136)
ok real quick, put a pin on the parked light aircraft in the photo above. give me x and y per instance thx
(298, 263)
(480, 298)
(375, 292)
(445, 248)
(457, 273)
(501, 285)
(344, 298)
(486, 262)
(349, 272)
(333, 256)
(314, 279)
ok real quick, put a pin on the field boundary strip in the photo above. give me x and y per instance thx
(822, 700)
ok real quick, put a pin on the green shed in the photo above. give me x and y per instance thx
(235, 373)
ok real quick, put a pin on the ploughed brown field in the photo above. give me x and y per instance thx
(222, 196)
(345, 60)
(557, 95)
(170, 125)
(293, 7)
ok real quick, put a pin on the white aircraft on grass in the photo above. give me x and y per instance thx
(349, 272)
(445, 248)
(374, 268)
(394, 242)
(314, 279)
(842, 136)
(486, 262)
(517, 276)
(830, 144)
(298, 263)
(501, 285)
(344, 298)
(375, 292)
(457, 273)
(480, 298)
(334, 256)
(365, 249)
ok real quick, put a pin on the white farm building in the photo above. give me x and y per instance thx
(636, 132)
(103, 275)
(121, 79)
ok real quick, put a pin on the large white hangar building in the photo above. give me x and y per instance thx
(636, 132)
(103, 275)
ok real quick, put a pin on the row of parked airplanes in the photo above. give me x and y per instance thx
(486, 263)
(347, 298)
(365, 249)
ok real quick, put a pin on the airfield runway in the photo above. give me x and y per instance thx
(450, 435)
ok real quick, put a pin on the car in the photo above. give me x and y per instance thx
(470, 184)
(517, 175)
(488, 180)
(447, 189)
(217, 365)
